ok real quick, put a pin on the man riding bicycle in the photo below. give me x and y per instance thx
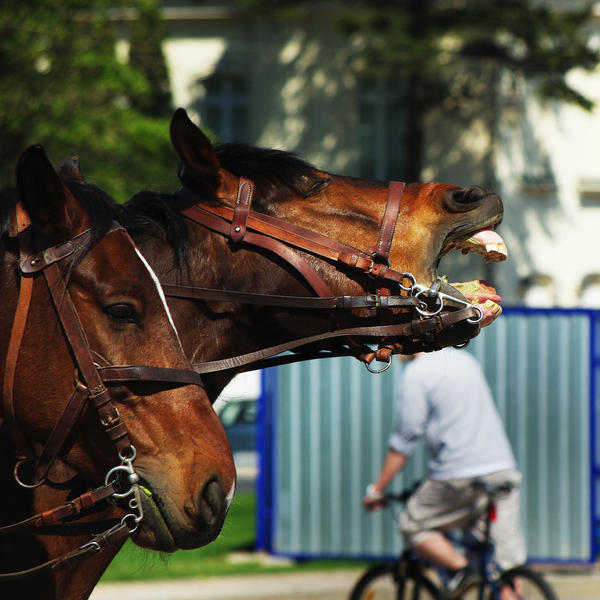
(446, 399)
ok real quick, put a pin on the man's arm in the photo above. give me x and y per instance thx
(394, 462)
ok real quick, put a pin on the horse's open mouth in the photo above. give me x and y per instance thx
(491, 246)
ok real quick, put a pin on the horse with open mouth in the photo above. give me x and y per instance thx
(99, 398)
(255, 234)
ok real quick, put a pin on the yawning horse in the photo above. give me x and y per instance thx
(96, 389)
(274, 230)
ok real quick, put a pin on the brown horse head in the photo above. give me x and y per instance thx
(432, 219)
(181, 452)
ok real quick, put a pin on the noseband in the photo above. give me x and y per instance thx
(90, 385)
(394, 289)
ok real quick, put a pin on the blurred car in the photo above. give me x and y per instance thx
(237, 408)
(239, 420)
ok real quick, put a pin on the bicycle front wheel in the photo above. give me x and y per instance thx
(382, 582)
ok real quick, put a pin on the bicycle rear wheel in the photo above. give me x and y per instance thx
(525, 583)
(528, 584)
(383, 583)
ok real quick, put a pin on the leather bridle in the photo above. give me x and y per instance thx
(394, 289)
(92, 381)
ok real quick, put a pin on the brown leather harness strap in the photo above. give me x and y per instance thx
(381, 255)
(415, 328)
(388, 222)
(132, 373)
(223, 226)
(57, 515)
(60, 432)
(19, 221)
(278, 230)
(274, 234)
(370, 301)
(115, 535)
(242, 208)
(109, 415)
(278, 237)
(16, 338)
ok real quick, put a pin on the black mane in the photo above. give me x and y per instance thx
(147, 210)
(276, 175)
(99, 206)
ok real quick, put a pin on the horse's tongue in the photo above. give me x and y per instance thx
(487, 236)
(492, 245)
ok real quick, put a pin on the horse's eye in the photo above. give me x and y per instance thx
(122, 312)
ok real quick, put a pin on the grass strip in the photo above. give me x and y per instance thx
(236, 540)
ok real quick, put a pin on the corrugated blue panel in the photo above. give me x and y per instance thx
(332, 419)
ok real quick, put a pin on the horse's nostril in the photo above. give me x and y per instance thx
(458, 195)
(473, 193)
(212, 504)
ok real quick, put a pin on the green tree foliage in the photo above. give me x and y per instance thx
(62, 85)
(147, 33)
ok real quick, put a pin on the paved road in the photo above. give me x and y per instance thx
(326, 585)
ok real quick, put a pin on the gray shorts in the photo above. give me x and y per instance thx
(455, 504)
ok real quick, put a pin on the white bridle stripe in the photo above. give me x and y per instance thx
(160, 293)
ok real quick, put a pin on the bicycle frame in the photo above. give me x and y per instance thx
(480, 551)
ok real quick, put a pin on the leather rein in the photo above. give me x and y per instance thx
(240, 224)
(93, 377)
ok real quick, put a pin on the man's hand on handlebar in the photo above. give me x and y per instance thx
(374, 499)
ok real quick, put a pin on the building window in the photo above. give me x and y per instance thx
(223, 107)
(381, 129)
(589, 292)
(538, 291)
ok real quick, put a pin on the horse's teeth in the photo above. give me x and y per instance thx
(474, 241)
(496, 252)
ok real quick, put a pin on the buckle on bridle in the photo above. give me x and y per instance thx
(29, 486)
(375, 264)
(384, 368)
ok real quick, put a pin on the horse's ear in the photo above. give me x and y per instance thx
(70, 169)
(200, 163)
(42, 194)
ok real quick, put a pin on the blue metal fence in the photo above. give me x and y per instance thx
(323, 427)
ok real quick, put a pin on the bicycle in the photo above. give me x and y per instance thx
(408, 577)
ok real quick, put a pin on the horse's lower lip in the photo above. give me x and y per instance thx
(481, 294)
(446, 288)
(154, 520)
